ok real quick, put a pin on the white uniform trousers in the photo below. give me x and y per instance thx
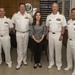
(5, 43)
(22, 44)
(55, 45)
(70, 53)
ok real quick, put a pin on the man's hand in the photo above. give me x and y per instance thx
(47, 37)
(61, 38)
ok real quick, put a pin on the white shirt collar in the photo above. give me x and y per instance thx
(72, 20)
(3, 17)
(21, 14)
(56, 14)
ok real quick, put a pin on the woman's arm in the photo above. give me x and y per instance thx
(34, 38)
(44, 33)
(42, 37)
(32, 33)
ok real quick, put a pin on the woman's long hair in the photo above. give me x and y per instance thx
(34, 19)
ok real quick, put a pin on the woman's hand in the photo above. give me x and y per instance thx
(35, 39)
(38, 41)
(41, 39)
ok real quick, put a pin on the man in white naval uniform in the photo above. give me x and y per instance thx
(71, 42)
(21, 20)
(55, 23)
(5, 26)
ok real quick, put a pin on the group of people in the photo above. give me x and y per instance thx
(26, 25)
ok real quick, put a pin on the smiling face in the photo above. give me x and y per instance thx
(73, 14)
(22, 8)
(38, 16)
(2, 12)
(55, 8)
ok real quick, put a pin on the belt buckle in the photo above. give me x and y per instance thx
(23, 32)
(70, 39)
(1, 35)
(53, 32)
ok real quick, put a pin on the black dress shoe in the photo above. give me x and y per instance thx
(35, 66)
(40, 65)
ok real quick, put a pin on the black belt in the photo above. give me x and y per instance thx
(22, 32)
(52, 32)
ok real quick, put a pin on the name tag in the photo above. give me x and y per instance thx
(17, 18)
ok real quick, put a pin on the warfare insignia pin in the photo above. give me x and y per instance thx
(6, 22)
(58, 19)
(26, 18)
(74, 24)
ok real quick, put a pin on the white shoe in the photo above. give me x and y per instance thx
(67, 68)
(25, 63)
(18, 66)
(73, 72)
(9, 65)
(58, 68)
(50, 66)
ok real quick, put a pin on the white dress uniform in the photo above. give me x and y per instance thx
(55, 23)
(22, 34)
(5, 24)
(71, 44)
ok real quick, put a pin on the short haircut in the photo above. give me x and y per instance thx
(22, 4)
(72, 9)
(2, 7)
(55, 3)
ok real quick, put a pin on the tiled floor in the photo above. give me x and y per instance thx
(29, 70)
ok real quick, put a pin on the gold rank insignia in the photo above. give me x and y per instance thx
(74, 29)
(58, 19)
(17, 18)
(26, 17)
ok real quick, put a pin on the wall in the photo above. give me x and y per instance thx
(58, 1)
(11, 6)
(73, 4)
